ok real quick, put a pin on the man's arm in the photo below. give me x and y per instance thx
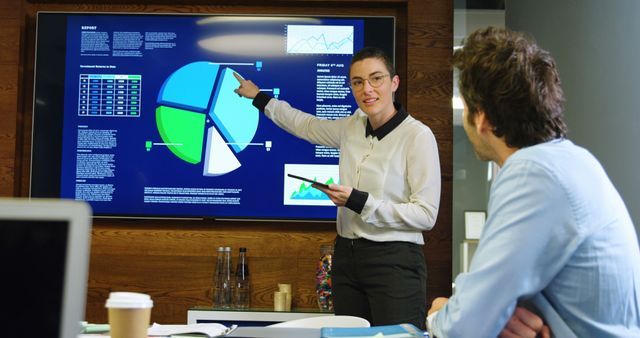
(527, 240)
(522, 324)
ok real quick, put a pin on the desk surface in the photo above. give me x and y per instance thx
(274, 332)
(258, 309)
(247, 332)
(252, 316)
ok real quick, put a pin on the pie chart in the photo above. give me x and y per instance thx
(189, 96)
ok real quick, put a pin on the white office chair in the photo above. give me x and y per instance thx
(325, 321)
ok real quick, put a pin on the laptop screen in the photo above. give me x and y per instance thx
(43, 258)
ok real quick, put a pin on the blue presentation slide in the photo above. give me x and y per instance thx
(152, 126)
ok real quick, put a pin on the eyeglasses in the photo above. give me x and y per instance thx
(374, 81)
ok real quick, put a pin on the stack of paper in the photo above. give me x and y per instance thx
(210, 330)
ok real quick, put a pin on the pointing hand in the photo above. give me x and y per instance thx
(247, 88)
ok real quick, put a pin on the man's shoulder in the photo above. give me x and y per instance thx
(559, 152)
(569, 167)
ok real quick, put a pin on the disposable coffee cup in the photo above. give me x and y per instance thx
(129, 314)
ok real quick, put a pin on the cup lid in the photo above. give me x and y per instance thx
(129, 300)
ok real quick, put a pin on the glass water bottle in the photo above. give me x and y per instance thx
(217, 278)
(226, 296)
(242, 292)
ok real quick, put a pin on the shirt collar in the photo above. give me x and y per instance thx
(390, 125)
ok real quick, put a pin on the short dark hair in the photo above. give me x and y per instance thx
(515, 82)
(376, 53)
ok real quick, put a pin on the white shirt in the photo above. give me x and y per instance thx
(401, 172)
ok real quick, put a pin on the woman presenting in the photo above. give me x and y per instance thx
(388, 194)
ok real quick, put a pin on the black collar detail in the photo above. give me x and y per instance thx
(389, 125)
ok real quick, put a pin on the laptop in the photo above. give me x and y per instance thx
(44, 256)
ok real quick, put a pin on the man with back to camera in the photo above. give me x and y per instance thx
(558, 234)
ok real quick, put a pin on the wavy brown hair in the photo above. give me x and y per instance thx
(515, 82)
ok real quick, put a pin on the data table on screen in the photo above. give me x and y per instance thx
(109, 95)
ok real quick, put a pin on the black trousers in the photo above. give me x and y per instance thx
(383, 282)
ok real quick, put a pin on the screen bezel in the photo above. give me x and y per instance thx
(46, 143)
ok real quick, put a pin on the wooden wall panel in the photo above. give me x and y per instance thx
(174, 260)
(429, 80)
(8, 108)
(10, 8)
(9, 40)
(10, 51)
(176, 266)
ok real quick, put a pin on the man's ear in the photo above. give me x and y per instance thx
(482, 123)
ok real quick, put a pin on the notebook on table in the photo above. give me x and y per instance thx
(394, 331)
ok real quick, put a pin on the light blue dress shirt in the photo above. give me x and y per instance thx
(558, 235)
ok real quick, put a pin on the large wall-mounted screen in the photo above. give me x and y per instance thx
(136, 113)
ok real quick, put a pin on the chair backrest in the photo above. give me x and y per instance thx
(325, 321)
